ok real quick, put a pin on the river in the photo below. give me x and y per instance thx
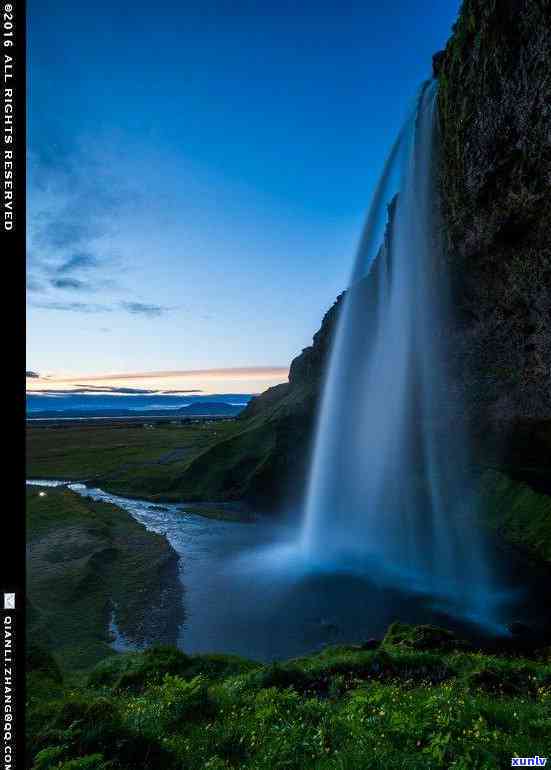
(246, 591)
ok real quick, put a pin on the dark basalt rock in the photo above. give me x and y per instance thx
(437, 61)
(495, 118)
(528, 639)
(370, 644)
(520, 630)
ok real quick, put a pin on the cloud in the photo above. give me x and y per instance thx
(235, 373)
(186, 381)
(33, 285)
(72, 307)
(81, 261)
(60, 232)
(145, 309)
(74, 213)
(74, 284)
(106, 389)
(31, 374)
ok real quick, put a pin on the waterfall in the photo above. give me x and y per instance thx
(390, 479)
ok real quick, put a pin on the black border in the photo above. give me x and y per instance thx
(12, 540)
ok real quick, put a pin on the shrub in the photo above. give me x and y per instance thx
(162, 708)
(136, 671)
(282, 677)
(422, 637)
(505, 678)
(49, 757)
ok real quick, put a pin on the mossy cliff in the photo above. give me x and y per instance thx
(495, 116)
(495, 119)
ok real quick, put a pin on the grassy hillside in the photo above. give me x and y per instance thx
(122, 458)
(85, 560)
(421, 699)
(232, 460)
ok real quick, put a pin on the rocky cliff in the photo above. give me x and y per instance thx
(266, 462)
(495, 117)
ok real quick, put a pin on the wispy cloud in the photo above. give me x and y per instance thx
(72, 307)
(74, 206)
(242, 372)
(226, 380)
(145, 309)
(34, 285)
(107, 389)
(58, 229)
(73, 284)
(82, 261)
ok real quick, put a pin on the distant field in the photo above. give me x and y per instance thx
(122, 458)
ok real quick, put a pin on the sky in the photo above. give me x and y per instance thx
(199, 171)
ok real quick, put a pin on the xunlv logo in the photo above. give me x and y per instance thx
(528, 761)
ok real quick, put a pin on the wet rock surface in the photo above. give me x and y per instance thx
(495, 116)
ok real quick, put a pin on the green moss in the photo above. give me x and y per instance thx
(423, 637)
(500, 677)
(518, 513)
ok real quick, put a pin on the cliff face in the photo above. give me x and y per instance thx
(495, 115)
(305, 374)
(265, 463)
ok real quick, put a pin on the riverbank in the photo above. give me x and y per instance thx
(158, 464)
(90, 563)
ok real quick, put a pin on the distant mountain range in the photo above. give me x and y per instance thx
(211, 407)
(82, 406)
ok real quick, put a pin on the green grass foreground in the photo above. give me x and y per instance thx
(421, 699)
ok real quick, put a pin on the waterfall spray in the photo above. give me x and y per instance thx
(390, 480)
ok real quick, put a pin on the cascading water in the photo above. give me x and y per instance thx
(390, 481)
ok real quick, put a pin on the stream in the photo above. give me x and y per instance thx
(246, 591)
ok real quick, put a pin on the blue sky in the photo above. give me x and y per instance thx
(199, 171)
